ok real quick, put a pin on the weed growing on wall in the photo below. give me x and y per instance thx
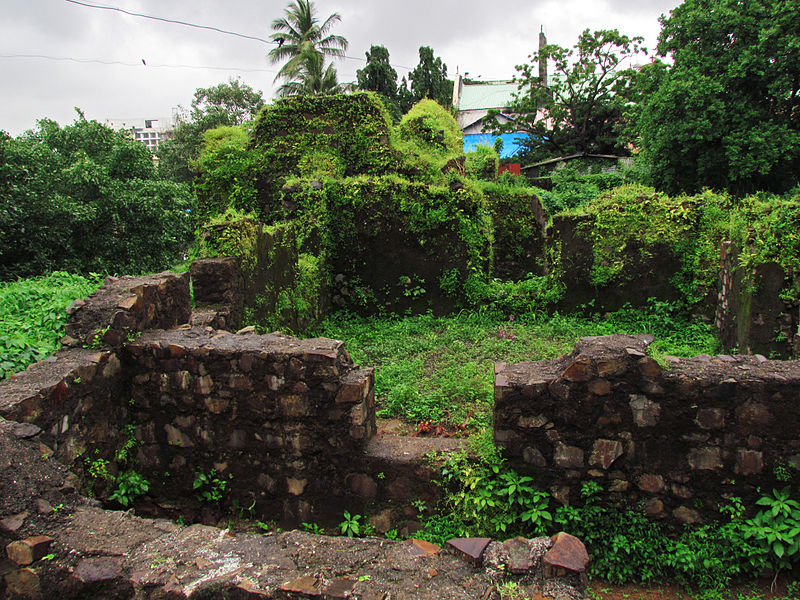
(389, 241)
(350, 131)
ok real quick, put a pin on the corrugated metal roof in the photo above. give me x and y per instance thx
(492, 94)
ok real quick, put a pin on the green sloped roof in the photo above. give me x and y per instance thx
(494, 94)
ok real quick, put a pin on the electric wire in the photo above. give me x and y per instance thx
(197, 26)
(137, 64)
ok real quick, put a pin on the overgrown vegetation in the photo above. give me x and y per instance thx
(486, 498)
(439, 369)
(84, 198)
(33, 315)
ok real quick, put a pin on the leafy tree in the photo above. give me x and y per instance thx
(726, 115)
(86, 198)
(230, 103)
(581, 105)
(429, 79)
(300, 33)
(379, 76)
(226, 104)
(405, 98)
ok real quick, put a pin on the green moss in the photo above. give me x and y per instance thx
(350, 131)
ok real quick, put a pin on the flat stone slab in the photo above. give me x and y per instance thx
(470, 549)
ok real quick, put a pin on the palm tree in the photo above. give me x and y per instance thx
(311, 77)
(298, 34)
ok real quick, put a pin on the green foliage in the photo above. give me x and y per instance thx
(227, 172)
(233, 233)
(86, 198)
(583, 98)
(767, 229)
(429, 78)
(494, 500)
(301, 38)
(440, 369)
(633, 222)
(572, 188)
(98, 470)
(354, 129)
(351, 526)
(430, 126)
(313, 528)
(724, 115)
(130, 485)
(776, 529)
(226, 104)
(624, 544)
(33, 315)
(380, 77)
(210, 486)
(482, 163)
(413, 233)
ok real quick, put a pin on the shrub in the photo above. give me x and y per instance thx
(482, 163)
(85, 198)
(227, 172)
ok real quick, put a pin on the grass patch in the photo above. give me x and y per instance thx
(441, 368)
(32, 316)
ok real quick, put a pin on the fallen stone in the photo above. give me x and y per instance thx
(567, 554)
(470, 549)
(422, 548)
(27, 551)
(13, 523)
(338, 588)
(26, 430)
(687, 515)
(22, 583)
(519, 555)
(97, 570)
(302, 587)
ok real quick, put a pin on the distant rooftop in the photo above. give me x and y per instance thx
(490, 94)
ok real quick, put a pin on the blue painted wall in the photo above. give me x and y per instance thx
(511, 142)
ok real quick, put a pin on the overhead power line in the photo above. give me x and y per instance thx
(175, 21)
(136, 64)
(195, 25)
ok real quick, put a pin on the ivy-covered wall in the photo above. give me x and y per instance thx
(314, 136)
(392, 244)
(282, 289)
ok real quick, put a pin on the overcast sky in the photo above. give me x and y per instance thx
(482, 38)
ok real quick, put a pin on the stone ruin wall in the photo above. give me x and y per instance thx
(679, 439)
(288, 419)
(283, 422)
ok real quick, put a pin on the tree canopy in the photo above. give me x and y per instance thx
(579, 107)
(429, 78)
(86, 198)
(726, 115)
(379, 76)
(225, 104)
